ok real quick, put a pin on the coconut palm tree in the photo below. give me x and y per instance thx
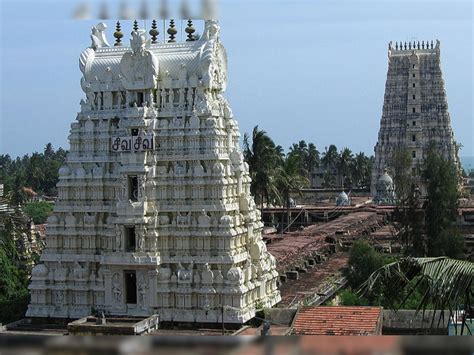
(308, 157)
(361, 170)
(289, 180)
(330, 157)
(312, 159)
(262, 156)
(447, 283)
(344, 165)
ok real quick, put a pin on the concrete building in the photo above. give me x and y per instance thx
(415, 111)
(154, 213)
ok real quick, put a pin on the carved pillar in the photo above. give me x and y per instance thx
(153, 280)
(108, 287)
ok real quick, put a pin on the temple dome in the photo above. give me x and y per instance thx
(64, 171)
(342, 199)
(385, 190)
(385, 178)
(39, 270)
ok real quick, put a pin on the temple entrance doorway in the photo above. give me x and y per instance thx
(130, 287)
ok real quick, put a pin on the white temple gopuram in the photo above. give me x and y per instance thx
(154, 213)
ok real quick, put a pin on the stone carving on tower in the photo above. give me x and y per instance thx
(415, 111)
(154, 212)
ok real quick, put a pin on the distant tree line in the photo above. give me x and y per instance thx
(352, 171)
(276, 174)
(38, 171)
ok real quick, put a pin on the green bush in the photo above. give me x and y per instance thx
(39, 211)
(350, 298)
(14, 308)
(363, 261)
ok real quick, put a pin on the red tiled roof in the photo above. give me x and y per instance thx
(29, 191)
(338, 320)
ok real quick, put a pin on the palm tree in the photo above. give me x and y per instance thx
(344, 165)
(330, 157)
(289, 181)
(312, 160)
(34, 174)
(262, 156)
(299, 151)
(361, 170)
(447, 282)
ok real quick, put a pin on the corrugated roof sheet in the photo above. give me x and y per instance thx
(337, 320)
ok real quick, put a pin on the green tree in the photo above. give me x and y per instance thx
(403, 179)
(344, 167)
(35, 173)
(361, 170)
(13, 279)
(350, 298)
(307, 155)
(298, 153)
(441, 177)
(330, 157)
(16, 195)
(329, 180)
(289, 180)
(263, 157)
(408, 214)
(38, 171)
(447, 283)
(39, 211)
(329, 162)
(312, 160)
(363, 261)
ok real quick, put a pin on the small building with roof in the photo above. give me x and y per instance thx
(338, 320)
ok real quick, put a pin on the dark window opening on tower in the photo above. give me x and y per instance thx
(414, 75)
(413, 66)
(131, 287)
(130, 239)
(414, 109)
(413, 138)
(140, 98)
(414, 97)
(414, 123)
(133, 188)
(413, 154)
(414, 85)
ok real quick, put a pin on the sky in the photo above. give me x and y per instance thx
(310, 70)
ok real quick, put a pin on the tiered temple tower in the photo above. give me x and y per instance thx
(415, 111)
(154, 213)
